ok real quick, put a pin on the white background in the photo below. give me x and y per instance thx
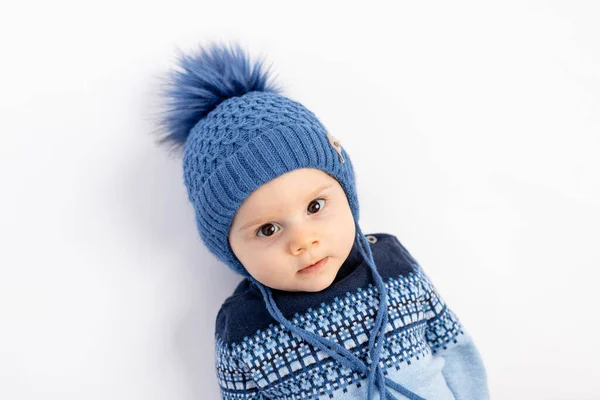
(473, 127)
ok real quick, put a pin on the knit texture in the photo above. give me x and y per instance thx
(239, 133)
(426, 348)
(243, 139)
(245, 142)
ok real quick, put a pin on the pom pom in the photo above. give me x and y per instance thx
(213, 74)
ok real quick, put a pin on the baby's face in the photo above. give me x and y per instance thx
(289, 223)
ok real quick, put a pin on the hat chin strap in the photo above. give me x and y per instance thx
(340, 353)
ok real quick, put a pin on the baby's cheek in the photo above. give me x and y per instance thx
(269, 268)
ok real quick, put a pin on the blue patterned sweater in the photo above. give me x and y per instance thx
(426, 348)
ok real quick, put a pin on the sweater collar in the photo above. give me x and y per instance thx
(352, 262)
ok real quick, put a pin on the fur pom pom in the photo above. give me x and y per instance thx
(208, 77)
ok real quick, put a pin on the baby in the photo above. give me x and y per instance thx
(324, 311)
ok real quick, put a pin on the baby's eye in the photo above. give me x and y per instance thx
(266, 230)
(314, 206)
(269, 229)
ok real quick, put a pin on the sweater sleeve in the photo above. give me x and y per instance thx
(233, 377)
(463, 369)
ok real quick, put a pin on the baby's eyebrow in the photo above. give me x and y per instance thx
(251, 223)
(320, 189)
(312, 195)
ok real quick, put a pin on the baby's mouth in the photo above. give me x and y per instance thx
(316, 266)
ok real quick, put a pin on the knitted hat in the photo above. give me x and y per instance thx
(239, 132)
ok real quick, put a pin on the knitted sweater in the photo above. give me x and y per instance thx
(426, 348)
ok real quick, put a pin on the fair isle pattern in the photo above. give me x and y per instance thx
(284, 366)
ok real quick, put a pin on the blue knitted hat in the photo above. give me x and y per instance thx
(238, 133)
